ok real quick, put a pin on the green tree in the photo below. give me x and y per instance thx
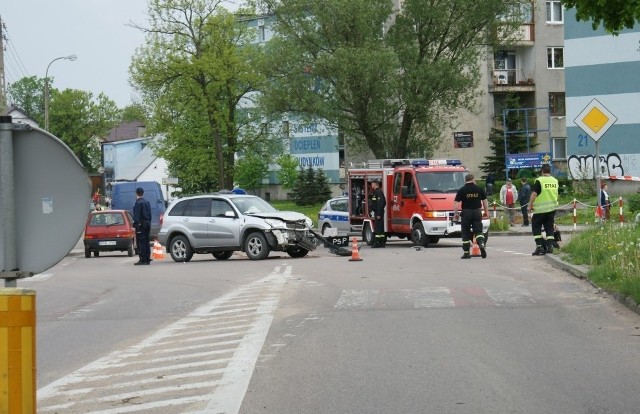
(311, 187)
(134, 112)
(79, 120)
(394, 90)
(516, 138)
(199, 63)
(251, 169)
(614, 15)
(28, 94)
(288, 172)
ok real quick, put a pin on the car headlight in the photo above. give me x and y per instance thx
(275, 223)
(308, 222)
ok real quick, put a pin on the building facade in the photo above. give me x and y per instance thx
(532, 67)
(606, 68)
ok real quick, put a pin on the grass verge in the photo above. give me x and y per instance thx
(613, 254)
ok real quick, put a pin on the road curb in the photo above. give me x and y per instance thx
(580, 271)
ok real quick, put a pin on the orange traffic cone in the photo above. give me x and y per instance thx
(355, 256)
(158, 253)
(475, 249)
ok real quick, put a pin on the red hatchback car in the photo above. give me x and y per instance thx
(109, 231)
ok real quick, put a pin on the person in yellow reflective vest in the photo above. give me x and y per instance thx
(543, 203)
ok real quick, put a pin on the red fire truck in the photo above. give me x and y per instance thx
(420, 196)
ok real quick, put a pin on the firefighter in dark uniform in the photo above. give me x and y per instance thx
(473, 200)
(378, 204)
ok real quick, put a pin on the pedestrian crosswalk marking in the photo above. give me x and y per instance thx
(430, 297)
(434, 297)
(210, 373)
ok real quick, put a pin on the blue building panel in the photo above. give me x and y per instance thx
(601, 66)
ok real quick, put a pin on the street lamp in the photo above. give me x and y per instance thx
(46, 89)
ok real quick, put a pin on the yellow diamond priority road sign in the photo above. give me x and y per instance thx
(595, 119)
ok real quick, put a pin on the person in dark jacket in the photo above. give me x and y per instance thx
(142, 224)
(473, 201)
(523, 198)
(378, 204)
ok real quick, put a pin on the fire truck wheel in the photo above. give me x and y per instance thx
(367, 235)
(418, 236)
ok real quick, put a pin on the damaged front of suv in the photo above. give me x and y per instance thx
(267, 229)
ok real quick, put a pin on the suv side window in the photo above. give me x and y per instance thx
(200, 207)
(219, 207)
(180, 208)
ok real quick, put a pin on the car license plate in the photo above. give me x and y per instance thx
(107, 243)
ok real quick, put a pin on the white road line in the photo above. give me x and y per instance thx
(234, 359)
(228, 397)
(513, 296)
(430, 297)
(357, 299)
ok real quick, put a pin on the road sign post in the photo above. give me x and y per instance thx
(44, 202)
(595, 119)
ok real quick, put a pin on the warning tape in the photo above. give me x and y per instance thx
(624, 177)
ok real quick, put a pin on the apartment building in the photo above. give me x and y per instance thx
(532, 67)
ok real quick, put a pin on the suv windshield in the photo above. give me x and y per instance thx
(440, 182)
(252, 205)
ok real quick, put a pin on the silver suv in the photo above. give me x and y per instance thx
(222, 223)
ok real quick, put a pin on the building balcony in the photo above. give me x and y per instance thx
(524, 36)
(508, 81)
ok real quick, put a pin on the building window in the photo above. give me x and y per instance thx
(555, 58)
(554, 12)
(559, 148)
(556, 104)
(519, 12)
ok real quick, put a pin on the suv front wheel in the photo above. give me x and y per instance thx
(256, 246)
(180, 249)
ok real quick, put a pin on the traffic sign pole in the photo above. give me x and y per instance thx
(17, 306)
(7, 203)
(598, 186)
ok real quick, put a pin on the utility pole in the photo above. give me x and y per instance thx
(3, 90)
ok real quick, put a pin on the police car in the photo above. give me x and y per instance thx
(335, 214)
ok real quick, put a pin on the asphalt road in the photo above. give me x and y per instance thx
(402, 331)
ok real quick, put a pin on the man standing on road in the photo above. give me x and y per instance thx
(473, 200)
(523, 198)
(142, 224)
(378, 204)
(543, 203)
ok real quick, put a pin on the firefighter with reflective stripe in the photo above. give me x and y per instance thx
(473, 200)
(378, 204)
(543, 203)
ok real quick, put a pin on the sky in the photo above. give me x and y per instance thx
(96, 31)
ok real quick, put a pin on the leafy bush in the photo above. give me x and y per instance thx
(633, 203)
